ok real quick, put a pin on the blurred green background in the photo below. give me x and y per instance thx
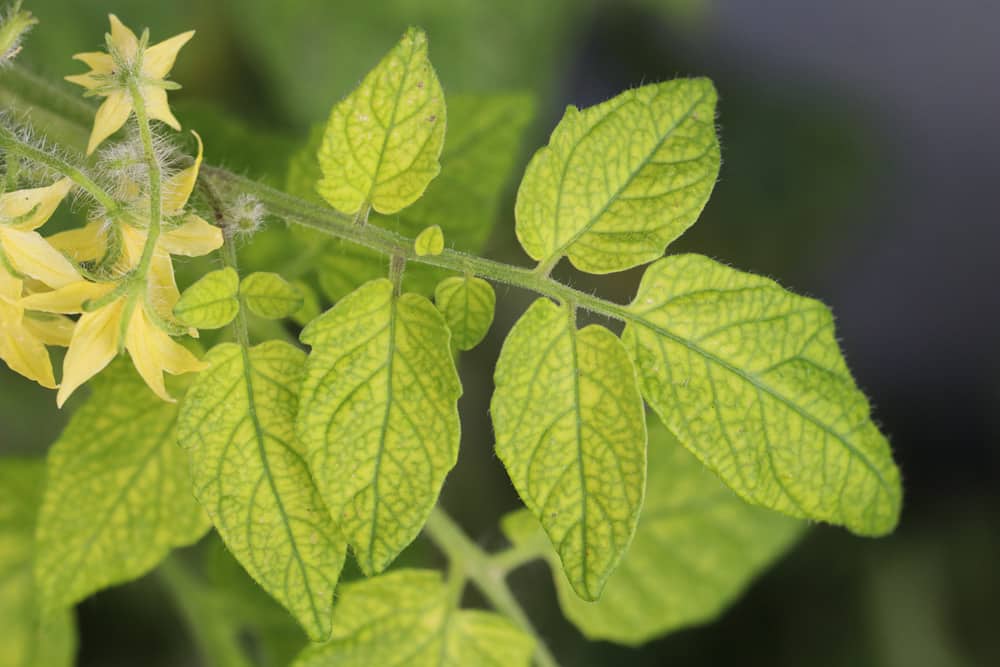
(860, 155)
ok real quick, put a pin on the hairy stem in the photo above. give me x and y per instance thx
(155, 201)
(489, 577)
(386, 242)
(240, 327)
(338, 225)
(9, 141)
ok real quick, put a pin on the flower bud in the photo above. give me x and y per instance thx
(245, 215)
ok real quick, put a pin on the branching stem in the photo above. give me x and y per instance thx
(489, 574)
(338, 225)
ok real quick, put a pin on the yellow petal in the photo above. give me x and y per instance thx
(157, 107)
(142, 344)
(111, 115)
(11, 315)
(154, 352)
(68, 299)
(84, 244)
(98, 61)
(54, 330)
(178, 188)
(27, 356)
(93, 346)
(21, 202)
(178, 360)
(86, 80)
(10, 287)
(159, 58)
(31, 255)
(123, 39)
(194, 238)
(133, 242)
(161, 288)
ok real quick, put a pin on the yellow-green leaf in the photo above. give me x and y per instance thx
(237, 423)
(483, 142)
(695, 550)
(620, 180)
(430, 241)
(570, 429)
(270, 296)
(407, 618)
(29, 637)
(211, 302)
(118, 497)
(379, 416)
(467, 304)
(382, 142)
(751, 379)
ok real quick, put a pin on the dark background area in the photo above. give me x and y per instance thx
(860, 165)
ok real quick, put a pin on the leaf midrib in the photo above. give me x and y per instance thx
(581, 468)
(760, 386)
(259, 436)
(390, 355)
(390, 127)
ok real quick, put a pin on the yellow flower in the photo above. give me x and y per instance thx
(102, 332)
(132, 315)
(23, 338)
(109, 75)
(192, 237)
(26, 252)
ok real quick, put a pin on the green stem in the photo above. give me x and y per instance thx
(215, 637)
(483, 570)
(510, 559)
(11, 142)
(240, 327)
(345, 227)
(386, 242)
(155, 200)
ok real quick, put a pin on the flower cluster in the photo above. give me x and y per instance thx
(129, 68)
(116, 272)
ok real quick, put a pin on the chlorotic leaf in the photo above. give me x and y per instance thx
(484, 137)
(695, 550)
(270, 296)
(407, 618)
(211, 302)
(237, 422)
(467, 304)
(31, 638)
(118, 497)
(382, 142)
(620, 180)
(570, 429)
(429, 242)
(750, 378)
(379, 416)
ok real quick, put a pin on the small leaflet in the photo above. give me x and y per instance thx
(467, 304)
(211, 302)
(270, 296)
